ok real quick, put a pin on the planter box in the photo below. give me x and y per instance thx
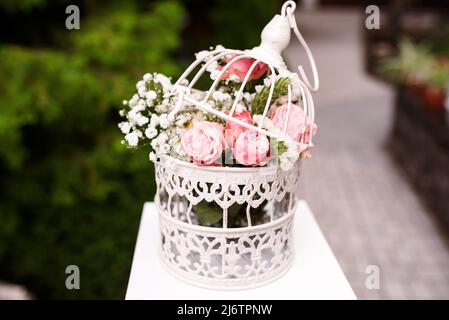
(420, 143)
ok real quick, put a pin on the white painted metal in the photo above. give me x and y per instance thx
(314, 274)
(224, 257)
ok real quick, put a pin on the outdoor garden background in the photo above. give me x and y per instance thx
(71, 193)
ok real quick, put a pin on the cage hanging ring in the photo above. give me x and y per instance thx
(288, 8)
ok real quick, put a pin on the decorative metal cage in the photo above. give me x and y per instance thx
(258, 247)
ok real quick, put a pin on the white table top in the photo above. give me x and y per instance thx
(315, 273)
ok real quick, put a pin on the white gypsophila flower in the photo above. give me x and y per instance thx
(142, 91)
(285, 163)
(165, 81)
(239, 108)
(197, 117)
(267, 81)
(288, 158)
(142, 120)
(167, 94)
(294, 81)
(214, 74)
(163, 137)
(164, 148)
(163, 121)
(234, 78)
(212, 66)
(211, 103)
(121, 113)
(151, 95)
(181, 119)
(134, 100)
(161, 108)
(175, 141)
(133, 117)
(258, 88)
(150, 103)
(282, 100)
(296, 86)
(140, 84)
(125, 127)
(265, 123)
(150, 133)
(221, 96)
(219, 47)
(133, 138)
(141, 105)
(177, 148)
(125, 102)
(154, 143)
(198, 95)
(202, 55)
(152, 156)
(147, 76)
(154, 121)
(217, 95)
(170, 164)
(257, 118)
(136, 118)
(184, 82)
(248, 96)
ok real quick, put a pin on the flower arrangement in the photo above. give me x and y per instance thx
(207, 140)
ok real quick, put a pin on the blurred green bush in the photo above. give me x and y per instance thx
(70, 193)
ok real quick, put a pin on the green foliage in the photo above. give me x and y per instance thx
(281, 147)
(20, 6)
(133, 38)
(211, 214)
(419, 63)
(70, 192)
(261, 98)
(439, 76)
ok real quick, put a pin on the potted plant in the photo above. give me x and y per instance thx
(437, 83)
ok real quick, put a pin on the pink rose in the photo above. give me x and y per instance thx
(233, 130)
(204, 142)
(241, 67)
(251, 148)
(297, 123)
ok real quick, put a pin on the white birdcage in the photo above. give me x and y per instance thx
(258, 247)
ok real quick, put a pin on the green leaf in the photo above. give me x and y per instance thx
(207, 213)
(211, 213)
(260, 99)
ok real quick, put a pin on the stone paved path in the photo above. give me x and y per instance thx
(364, 205)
